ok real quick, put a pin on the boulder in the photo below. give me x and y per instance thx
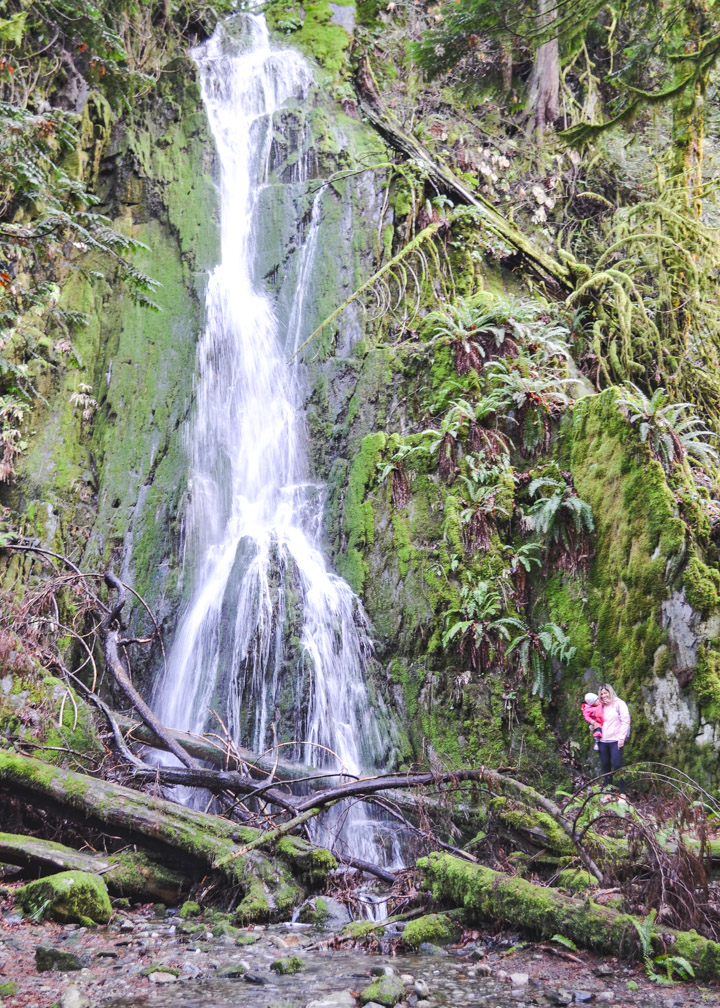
(433, 929)
(385, 990)
(68, 896)
(48, 958)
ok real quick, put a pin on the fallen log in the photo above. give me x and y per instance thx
(445, 181)
(192, 841)
(129, 873)
(204, 749)
(486, 894)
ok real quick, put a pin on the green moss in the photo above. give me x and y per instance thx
(707, 681)
(437, 929)
(384, 990)
(358, 512)
(160, 968)
(310, 27)
(292, 964)
(223, 929)
(312, 863)
(190, 909)
(67, 896)
(8, 988)
(575, 879)
(641, 548)
(362, 929)
(702, 585)
(255, 905)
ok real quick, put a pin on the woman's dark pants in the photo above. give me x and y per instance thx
(611, 760)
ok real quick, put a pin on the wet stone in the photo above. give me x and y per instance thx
(604, 970)
(427, 948)
(559, 997)
(47, 958)
(582, 997)
(233, 971)
(72, 997)
(255, 978)
(343, 999)
(161, 977)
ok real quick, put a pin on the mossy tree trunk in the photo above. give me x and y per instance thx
(487, 894)
(192, 841)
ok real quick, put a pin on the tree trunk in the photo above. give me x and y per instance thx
(485, 893)
(544, 85)
(192, 840)
(130, 873)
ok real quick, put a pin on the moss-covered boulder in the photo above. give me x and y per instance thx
(256, 904)
(68, 896)
(385, 990)
(292, 964)
(435, 929)
(48, 958)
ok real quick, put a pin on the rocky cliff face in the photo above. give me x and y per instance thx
(429, 506)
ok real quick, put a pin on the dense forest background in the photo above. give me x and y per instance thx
(519, 441)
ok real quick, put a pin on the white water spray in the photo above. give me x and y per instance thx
(253, 519)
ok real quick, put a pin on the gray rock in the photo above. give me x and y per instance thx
(582, 997)
(344, 16)
(47, 958)
(421, 989)
(605, 996)
(343, 999)
(559, 997)
(484, 969)
(427, 948)
(604, 970)
(72, 997)
(519, 979)
(338, 914)
(254, 978)
(161, 977)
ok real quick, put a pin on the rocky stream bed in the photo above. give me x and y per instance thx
(149, 957)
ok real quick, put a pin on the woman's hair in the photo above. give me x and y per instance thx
(611, 691)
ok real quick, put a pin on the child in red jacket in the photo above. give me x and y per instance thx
(593, 713)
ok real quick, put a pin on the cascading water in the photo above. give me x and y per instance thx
(264, 611)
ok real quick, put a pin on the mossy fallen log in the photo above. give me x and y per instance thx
(484, 893)
(130, 873)
(189, 840)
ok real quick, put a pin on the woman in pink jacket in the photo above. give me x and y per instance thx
(615, 729)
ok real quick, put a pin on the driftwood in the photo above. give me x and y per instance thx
(559, 274)
(127, 874)
(487, 894)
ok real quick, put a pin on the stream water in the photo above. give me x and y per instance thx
(266, 617)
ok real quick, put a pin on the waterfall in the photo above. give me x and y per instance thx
(265, 613)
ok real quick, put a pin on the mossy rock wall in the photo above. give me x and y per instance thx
(109, 487)
(629, 615)
(632, 619)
